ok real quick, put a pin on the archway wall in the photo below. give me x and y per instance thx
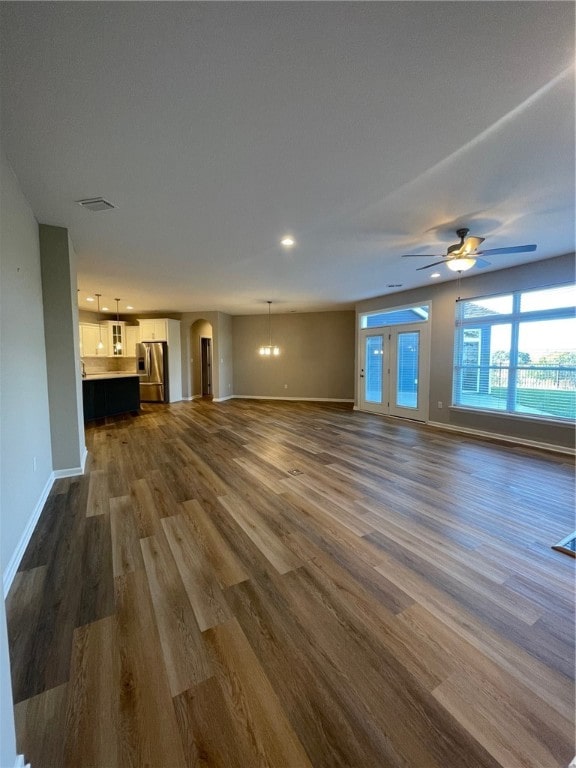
(215, 325)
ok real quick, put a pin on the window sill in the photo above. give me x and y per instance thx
(513, 416)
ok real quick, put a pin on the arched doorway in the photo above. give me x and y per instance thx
(201, 359)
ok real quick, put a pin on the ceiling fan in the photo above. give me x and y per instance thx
(464, 255)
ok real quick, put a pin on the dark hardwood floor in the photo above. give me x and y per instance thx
(394, 603)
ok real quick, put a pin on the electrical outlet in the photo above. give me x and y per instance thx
(440, 404)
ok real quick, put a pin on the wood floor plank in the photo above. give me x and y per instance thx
(227, 568)
(126, 551)
(396, 606)
(185, 658)
(40, 722)
(148, 729)
(94, 687)
(212, 734)
(98, 493)
(544, 682)
(325, 715)
(144, 508)
(97, 595)
(256, 528)
(204, 593)
(506, 733)
(252, 700)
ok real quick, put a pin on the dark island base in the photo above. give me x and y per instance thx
(110, 397)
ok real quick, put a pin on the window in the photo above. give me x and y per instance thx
(516, 353)
(398, 316)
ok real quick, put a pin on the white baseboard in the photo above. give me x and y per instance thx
(503, 438)
(219, 399)
(293, 399)
(72, 471)
(18, 554)
(83, 458)
(20, 762)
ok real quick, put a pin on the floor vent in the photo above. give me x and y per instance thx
(567, 545)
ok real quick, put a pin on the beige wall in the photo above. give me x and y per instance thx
(222, 353)
(62, 349)
(443, 300)
(316, 360)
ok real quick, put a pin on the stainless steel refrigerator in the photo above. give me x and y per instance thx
(152, 357)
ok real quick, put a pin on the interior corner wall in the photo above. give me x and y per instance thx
(62, 352)
(316, 356)
(548, 272)
(190, 337)
(24, 422)
(223, 353)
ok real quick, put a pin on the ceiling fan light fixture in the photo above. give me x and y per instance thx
(460, 264)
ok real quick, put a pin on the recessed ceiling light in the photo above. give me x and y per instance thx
(129, 307)
(89, 298)
(287, 241)
(104, 309)
(435, 274)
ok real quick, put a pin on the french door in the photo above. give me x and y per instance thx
(394, 370)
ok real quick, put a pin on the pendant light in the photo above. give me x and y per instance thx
(100, 345)
(268, 350)
(118, 344)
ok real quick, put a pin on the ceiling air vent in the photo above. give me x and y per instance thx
(96, 204)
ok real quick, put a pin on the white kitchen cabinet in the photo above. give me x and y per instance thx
(90, 335)
(132, 337)
(162, 329)
(116, 340)
(153, 330)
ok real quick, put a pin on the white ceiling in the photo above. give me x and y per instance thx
(366, 130)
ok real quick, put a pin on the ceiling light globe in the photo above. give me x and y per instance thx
(460, 265)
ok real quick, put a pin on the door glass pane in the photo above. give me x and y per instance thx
(373, 374)
(407, 370)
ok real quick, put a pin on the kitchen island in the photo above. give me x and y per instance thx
(110, 394)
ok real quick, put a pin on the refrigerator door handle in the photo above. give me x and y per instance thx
(148, 367)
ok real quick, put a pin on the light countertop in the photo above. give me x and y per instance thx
(109, 375)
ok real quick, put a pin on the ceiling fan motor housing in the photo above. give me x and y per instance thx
(456, 247)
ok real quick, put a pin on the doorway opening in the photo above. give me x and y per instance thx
(206, 366)
(201, 360)
(394, 363)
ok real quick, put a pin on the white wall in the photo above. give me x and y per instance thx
(24, 422)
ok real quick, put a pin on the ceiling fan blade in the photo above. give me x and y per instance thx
(481, 263)
(470, 245)
(443, 261)
(511, 249)
(418, 256)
